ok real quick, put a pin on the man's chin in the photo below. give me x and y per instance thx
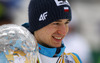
(57, 46)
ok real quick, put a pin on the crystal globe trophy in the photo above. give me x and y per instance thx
(17, 45)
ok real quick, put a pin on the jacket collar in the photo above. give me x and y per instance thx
(51, 52)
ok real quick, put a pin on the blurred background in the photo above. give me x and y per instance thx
(84, 33)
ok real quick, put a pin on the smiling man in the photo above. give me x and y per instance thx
(52, 34)
(48, 21)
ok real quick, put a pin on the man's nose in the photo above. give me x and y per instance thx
(63, 29)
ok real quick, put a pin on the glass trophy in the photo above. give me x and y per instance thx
(17, 45)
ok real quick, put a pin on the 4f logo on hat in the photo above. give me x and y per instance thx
(43, 16)
(61, 2)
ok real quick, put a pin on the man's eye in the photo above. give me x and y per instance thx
(56, 23)
(66, 22)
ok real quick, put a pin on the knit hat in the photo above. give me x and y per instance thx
(44, 12)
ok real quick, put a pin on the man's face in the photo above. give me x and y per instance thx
(52, 34)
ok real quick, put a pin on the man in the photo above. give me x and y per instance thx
(48, 21)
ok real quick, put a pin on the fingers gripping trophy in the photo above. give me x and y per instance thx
(17, 45)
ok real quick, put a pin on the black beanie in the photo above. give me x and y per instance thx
(44, 12)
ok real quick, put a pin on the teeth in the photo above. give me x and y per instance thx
(58, 37)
